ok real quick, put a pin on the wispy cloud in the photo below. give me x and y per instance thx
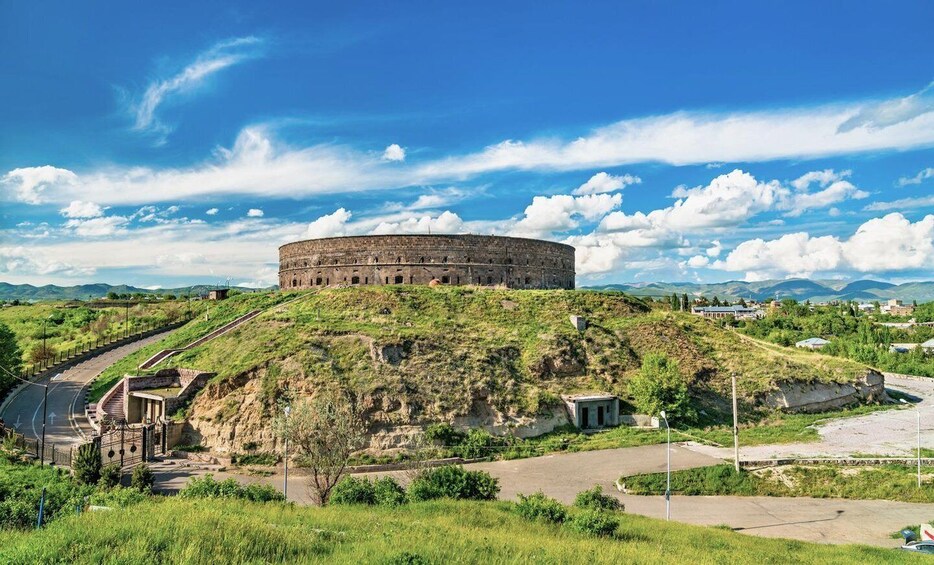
(258, 164)
(219, 57)
(918, 178)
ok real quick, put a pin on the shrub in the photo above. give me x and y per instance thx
(594, 523)
(444, 434)
(207, 487)
(594, 499)
(351, 490)
(142, 478)
(455, 482)
(110, 475)
(87, 464)
(118, 497)
(388, 492)
(539, 507)
(384, 491)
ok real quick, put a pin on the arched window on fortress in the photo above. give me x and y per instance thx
(445, 260)
(294, 283)
(354, 280)
(398, 259)
(421, 259)
(376, 259)
(398, 279)
(318, 281)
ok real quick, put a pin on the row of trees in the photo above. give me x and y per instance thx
(684, 304)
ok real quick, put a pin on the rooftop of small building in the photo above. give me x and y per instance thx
(589, 397)
(164, 392)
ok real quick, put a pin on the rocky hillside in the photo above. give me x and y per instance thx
(479, 357)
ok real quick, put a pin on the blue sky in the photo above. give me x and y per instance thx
(173, 144)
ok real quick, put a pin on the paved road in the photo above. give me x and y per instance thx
(888, 432)
(562, 476)
(66, 422)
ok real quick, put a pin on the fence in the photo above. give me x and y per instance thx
(52, 453)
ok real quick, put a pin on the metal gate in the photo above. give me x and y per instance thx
(123, 444)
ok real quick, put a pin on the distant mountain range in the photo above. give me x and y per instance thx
(799, 289)
(91, 291)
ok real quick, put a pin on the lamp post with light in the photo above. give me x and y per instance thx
(668, 483)
(918, 412)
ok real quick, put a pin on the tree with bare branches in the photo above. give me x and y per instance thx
(325, 431)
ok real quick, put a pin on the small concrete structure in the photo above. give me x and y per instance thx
(579, 323)
(154, 398)
(592, 411)
(218, 294)
(812, 343)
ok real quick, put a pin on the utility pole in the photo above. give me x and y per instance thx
(668, 484)
(735, 427)
(288, 432)
(45, 403)
(126, 322)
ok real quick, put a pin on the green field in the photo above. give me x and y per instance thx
(887, 482)
(68, 327)
(209, 316)
(211, 531)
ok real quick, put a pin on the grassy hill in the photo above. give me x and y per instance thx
(190, 531)
(475, 357)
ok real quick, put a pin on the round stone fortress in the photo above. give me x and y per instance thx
(426, 259)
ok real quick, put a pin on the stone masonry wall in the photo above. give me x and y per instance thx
(418, 259)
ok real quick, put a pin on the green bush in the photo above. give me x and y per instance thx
(594, 523)
(87, 464)
(351, 490)
(118, 497)
(110, 475)
(142, 478)
(594, 499)
(207, 487)
(453, 481)
(539, 507)
(384, 491)
(388, 492)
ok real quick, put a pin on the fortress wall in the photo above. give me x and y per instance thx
(419, 259)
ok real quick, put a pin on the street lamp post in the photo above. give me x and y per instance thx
(668, 483)
(288, 432)
(918, 412)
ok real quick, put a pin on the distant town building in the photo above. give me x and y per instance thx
(812, 343)
(737, 312)
(866, 307)
(927, 346)
(896, 308)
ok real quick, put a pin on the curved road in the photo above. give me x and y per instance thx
(66, 423)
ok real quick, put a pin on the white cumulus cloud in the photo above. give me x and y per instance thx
(918, 178)
(604, 182)
(394, 152)
(254, 213)
(79, 209)
(212, 211)
(330, 225)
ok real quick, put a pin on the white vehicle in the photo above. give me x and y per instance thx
(926, 546)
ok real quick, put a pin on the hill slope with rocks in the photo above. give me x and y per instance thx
(492, 358)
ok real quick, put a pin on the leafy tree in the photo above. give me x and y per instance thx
(11, 358)
(674, 301)
(659, 386)
(87, 464)
(685, 304)
(325, 432)
(742, 303)
(716, 301)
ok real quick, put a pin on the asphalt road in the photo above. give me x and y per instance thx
(562, 476)
(66, 424)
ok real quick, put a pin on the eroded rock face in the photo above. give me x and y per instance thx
(820, 397)
(392, 354)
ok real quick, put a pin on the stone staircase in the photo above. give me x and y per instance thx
(166, 353)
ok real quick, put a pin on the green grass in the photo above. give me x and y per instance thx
(182, 531)
(218, 314)
(888, 482)
(78, 327)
